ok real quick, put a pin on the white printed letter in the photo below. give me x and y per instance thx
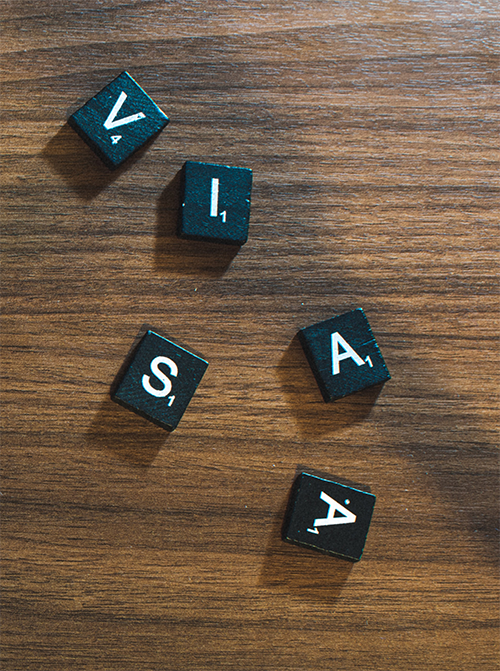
(167, 384)
(214, 197)
(110, 121)
(348, 353)
(347, 516)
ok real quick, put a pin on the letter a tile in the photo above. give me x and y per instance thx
(343, 355)
(327, 516)
(118, 120)
(159, 380)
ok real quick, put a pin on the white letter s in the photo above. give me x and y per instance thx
(167, 384)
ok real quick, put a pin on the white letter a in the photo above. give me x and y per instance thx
(348, 353)
(333, 506)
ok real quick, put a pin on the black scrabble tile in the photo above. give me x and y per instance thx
(118, 120)
(343, 355)
(327, 516)
(215, 203)
(159, 381)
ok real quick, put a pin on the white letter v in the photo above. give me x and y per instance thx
(110, 121)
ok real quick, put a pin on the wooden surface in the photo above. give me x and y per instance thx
(372, 132)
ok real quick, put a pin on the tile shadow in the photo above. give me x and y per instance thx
(71, 158)
(313, 416)
(187, 257)
(145, 327)
(125, 435)
(307, 573)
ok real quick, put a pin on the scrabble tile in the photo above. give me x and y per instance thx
(215, 203)
(327, 516)
(343, 355)
(160, 380)
(118, 120)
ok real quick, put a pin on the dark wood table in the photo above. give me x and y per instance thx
(372, 133)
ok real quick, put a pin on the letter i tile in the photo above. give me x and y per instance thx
(215, 203)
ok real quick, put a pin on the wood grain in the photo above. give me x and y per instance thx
(372, 132)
